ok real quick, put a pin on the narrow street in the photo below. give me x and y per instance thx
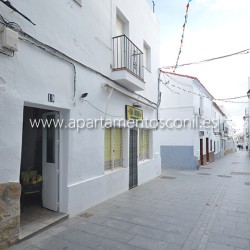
(203, 209)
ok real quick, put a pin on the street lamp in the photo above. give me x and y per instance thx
(245, 118)
(248, 94)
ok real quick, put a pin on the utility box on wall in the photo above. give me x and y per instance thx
(10, 39)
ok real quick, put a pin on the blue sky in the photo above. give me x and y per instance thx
(214, 28)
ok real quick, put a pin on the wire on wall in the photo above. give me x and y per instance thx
(242, 52)
(229, 100)
(61, 58)
(103, 112)
(6, 54)
(53, 51)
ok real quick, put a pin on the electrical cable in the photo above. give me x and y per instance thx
(54, 54)
(8, 4)
(188, 91)
(214, 99)
(174, 79)
(243, 52)
(6, 54)
(106, 109)
(166, 83)
(69, 59)
(237, 97)
(171, 90)
(93, 106)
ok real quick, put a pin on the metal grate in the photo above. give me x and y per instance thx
(168, 177)
(85, 215)
(126, 55)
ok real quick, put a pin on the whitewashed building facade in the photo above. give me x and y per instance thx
(88, 60)
(196, 123)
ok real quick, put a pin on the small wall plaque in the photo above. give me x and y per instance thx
(51, 97)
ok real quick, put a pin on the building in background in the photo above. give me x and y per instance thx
(184, 98)
(218, 132)
(199, 130)
(94, 60)
(229, 133)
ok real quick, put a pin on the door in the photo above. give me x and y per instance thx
(50, 154)
(133, 156)
(201, 152)
(120, 29)
(119, 48)
(207, 149)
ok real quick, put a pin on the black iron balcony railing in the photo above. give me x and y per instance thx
(127, 56)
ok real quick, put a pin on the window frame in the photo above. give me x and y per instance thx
(113, 162)
(143, 156)
(147, 55)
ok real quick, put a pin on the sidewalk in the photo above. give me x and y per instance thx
(203, 209)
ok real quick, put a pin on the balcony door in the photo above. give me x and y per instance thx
(119, 46)
(120, 26)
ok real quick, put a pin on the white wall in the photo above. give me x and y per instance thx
(219, 118)
(185, 97)
(84, 34)
(183, 105)
(175, 105)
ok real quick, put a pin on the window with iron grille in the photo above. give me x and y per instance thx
(143, 144)
(113, 148)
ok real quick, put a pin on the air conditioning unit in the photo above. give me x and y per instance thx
(10, 39)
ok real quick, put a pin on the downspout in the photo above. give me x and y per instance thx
(159, 96)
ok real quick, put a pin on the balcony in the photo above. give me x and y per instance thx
(127, 64)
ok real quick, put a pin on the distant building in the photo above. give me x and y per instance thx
(201, 129)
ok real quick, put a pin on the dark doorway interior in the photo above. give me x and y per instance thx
(31, 177)
(201, 152)
(207, 149)
(31, 159)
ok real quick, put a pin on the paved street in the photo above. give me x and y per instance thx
(205, 209)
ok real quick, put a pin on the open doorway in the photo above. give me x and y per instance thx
(201, 152)
(39, 170)
(207, 150)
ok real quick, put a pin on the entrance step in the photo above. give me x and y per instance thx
(32, 227)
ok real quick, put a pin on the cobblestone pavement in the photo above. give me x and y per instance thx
(203, 209)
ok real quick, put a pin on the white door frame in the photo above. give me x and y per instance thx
(51, 166)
